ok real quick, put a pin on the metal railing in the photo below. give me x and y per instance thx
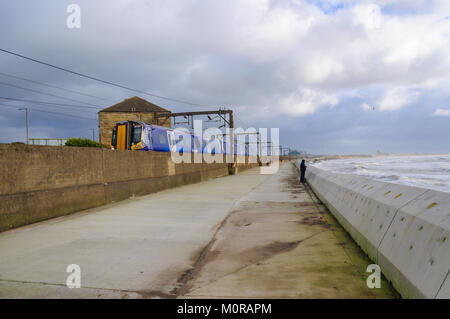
(47, 141)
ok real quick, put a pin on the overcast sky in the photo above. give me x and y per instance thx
(336, 76)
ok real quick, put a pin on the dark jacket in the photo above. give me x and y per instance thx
(303, 166)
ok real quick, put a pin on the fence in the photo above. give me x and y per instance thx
(48, 141)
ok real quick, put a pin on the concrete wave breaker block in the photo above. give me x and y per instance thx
(404, 229)
(415, 253)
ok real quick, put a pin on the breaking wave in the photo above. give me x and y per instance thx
(432, 172)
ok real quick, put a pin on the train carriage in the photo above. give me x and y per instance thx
(135, 135)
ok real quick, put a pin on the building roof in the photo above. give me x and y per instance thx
(134, 104)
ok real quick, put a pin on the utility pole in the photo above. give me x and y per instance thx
(231, 125)
(190, 117)
(26, 118)
(93, 134)
(260, 149)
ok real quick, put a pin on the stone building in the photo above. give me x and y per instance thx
(134, 109)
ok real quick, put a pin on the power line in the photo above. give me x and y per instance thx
(102, 81)
(239, 119)
(53, 86)
(61, 114)
(50, 104)
(44, 102)
(59, 107)
(40, 92)
(242, 121)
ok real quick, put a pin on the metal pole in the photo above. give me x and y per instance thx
(26, 116)
(26, 119)
(93, 134)
(260, 147)
(231, 125)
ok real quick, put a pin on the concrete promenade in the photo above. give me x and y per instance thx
(246, 235)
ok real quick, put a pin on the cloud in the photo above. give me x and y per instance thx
(306, 101)
(274, 61)
(395, 99)
(368, 15)
(442, 112)
(257, 49)
(367, 107)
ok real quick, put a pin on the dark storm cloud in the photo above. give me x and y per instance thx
(335, 76)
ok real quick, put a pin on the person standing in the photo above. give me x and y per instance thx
(302, 171)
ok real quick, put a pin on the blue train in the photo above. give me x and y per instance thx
(135, 135)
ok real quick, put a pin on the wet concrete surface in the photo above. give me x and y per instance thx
(242, 236)
(137, 248)
(281, 242)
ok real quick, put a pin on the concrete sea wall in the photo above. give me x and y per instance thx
(42, 182)
(403, 229)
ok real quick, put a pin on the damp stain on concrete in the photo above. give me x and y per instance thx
(274, 246)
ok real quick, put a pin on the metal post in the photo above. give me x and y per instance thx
(26, 115)
(260, 148)
(231, 125)
(26, 119)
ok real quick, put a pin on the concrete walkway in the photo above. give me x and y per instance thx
(247, 235)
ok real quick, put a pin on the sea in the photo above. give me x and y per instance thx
(426, 171)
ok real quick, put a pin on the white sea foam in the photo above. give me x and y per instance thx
(430, 171)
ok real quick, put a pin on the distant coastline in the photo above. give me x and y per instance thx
(319, 158)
